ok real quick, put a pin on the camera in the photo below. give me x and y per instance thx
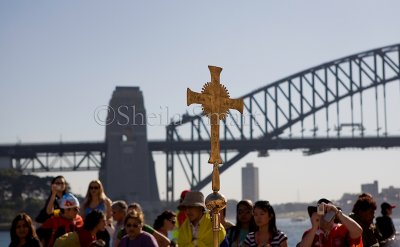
(329, 216)
(321, 209)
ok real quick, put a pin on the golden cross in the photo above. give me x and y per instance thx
(215, 101)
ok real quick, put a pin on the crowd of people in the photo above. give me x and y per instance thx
(98, 221)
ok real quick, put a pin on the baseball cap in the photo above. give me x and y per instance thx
(386, 205)
(69, 201)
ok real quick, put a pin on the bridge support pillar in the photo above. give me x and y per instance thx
(128, 173)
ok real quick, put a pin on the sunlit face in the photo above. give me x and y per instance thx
(94, 188)
(22, 229)
(133, 228)
(261, 217)
(170, 223)
(71, 213)
(194, 214)
(244, 214)
(60, 183)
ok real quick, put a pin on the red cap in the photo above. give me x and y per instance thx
(183, 194)
(386, 205)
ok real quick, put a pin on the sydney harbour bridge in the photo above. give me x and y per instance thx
(351, 102)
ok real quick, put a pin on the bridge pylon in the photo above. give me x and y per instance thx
(128, 173)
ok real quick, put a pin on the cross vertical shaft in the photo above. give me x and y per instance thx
(216, 103)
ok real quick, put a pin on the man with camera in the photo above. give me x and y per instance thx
(330, 227)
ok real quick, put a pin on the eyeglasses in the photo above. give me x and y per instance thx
(94, 187)
(133, 225)
(172, 221)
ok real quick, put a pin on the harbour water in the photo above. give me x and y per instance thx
(293, 229)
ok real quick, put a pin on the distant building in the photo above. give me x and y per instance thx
(391, 193)
(250, 182)
(370, 188)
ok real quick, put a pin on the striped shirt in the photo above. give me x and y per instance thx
(276, 240)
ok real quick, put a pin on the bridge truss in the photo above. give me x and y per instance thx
(55, 157)
(348, 102)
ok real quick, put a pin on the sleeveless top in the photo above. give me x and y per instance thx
(101, 207)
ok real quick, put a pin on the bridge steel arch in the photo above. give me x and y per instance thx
(348, 102)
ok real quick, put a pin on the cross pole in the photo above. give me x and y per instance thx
(215, 101)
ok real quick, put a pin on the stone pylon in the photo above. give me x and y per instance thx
(128, 172)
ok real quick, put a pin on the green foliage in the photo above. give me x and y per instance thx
(21, 193)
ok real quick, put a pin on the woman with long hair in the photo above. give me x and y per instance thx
(23, 233)
(96, 199)
(267, 234)
(58, 188)
(244, 224)
(165, 222)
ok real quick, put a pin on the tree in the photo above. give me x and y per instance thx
(20, 192)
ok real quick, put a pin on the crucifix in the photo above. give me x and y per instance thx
(215, 101)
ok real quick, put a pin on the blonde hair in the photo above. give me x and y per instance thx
(89, 198)
(138, 216)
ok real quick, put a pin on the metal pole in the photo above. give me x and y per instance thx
(215, 202)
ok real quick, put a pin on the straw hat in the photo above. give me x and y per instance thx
(194, 199)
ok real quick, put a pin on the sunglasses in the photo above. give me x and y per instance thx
(133, 225)
(94, 187)
(74, 209)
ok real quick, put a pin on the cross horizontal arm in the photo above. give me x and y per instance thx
(236, 104)
(197, 98)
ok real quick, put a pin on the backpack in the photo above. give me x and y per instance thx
(70, 239)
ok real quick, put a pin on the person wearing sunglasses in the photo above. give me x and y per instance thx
(135, 236)
(58, 188)
(68, 220)
(162, 240)
(96, 199)
(165, 224)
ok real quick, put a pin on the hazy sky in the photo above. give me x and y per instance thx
(60, 60)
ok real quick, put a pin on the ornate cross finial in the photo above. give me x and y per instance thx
(215, 101)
